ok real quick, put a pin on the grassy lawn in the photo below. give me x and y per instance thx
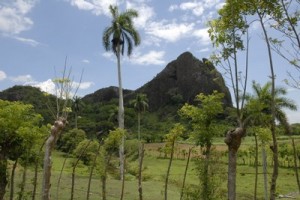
(154, 172)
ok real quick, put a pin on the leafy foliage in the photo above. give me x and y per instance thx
(70, 140)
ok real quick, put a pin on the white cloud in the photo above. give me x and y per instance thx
(82, 85)
(145, 13)
(171, 32)
(197, 8)
(50, 87)
(45, 86)
(173, 7)
(204, 50)
(203, 36)
(22, 78)
(255, 26)
(85, 61)
(97, 7)
(31, 42)
(151, 58)
(13, 19)
(82, 4)
(220, 5)
(2, 75)
(109, 55)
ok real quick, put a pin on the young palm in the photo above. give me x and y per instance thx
(263, 95)
(260, 110)
(140, 104)
(76, 107)
(115, 37)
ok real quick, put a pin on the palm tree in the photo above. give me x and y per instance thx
(115, 37)
(76, 107)
(261, 102)
(263, 95)
(140, 104)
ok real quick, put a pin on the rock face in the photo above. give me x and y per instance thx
(182, 80)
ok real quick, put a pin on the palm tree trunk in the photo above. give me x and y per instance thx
(121, 123)
(76, 119)
(12, 180)
(141, 157)
(233, 141)
(139, 127)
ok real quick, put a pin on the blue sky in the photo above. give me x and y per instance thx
(37, 35)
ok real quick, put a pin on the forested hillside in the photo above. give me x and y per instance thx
(179, 83)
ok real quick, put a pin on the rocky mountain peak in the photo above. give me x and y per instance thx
(182, 80)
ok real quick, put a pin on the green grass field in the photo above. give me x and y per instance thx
(154, 173)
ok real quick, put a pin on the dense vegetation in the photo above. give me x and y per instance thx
(110, 139)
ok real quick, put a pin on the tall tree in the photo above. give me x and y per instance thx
(140, 104)
(287, 20)
(76, 107)
(226, 32)
(110, 146)
(15, 117)
(203, 119)
(261, 98)
(170, 139)
(121, 32)
(63, 107)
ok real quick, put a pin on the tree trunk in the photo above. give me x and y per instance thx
(185, 173)
(121, 122)
(233, 141)
(60, 175)
(91, 172)
(168, 171)
(74, 168)
(264, 160)
(3, 175)
(205, 191)
(141, 157)
(256, 167)
(36, 167)
(104, 175)
(273, 111)
(50, 143)
(76, 119)
(22, 185)
(103, 181)
(295, 163)
(12, 180)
